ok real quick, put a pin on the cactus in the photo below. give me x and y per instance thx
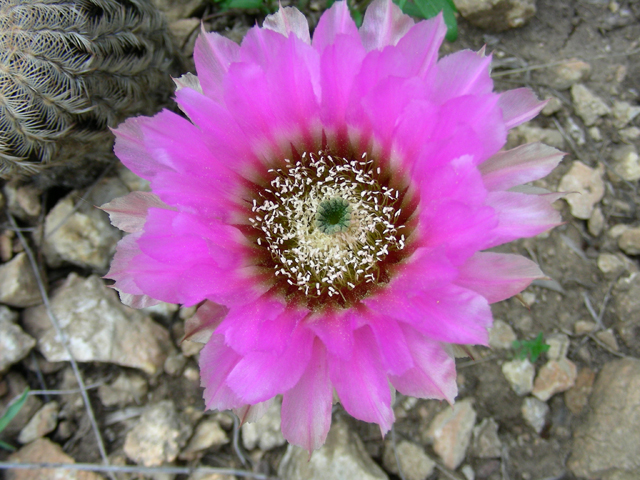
(70, 69)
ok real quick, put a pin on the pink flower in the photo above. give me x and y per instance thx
(326, 205)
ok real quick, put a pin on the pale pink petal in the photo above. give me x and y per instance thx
(137, 301)
(520, 165)
(384, 24)
(253, 413)
(126, 251)
(201, 325)
(462, 73)
(289, 20)
(188, 80)
(426, 269)
(334, 22)
(306, 408)
(519, 106)
(260, 375)
(434, 375)
(410, 60)
(335, 329)
(212, 55)
(521, 215)
(129, 213)
(216, 361)
(361, 383)
(497, 276)
(391, 342)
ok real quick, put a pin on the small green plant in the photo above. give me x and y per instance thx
(530, 348)
(265, 6)
(429, 9)
(11, 412)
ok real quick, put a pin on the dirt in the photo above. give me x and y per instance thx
(589, 30)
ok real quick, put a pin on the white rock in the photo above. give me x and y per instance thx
(627, 162)
(486, 443)
(569, 72)
(584, 187)
(535, 413)
(450, 431)
(629, 241)
(208, 434)
(496, 15)
(265, 433)
(587, 104)
(14, 343)
(596, 222)
(98, 326)
(558, 346)
(127, 388)
(43, 422)
(519, 374)
(18, 284)
(501, 335)
(158, 436)
(623, 113)
(414, 462)
(23, 201)
(342, 457)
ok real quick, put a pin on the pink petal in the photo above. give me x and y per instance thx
(216, 362)
(137, 301)
(462, 73)
(200, 326)
(428, 35)
(262, 375)
(520, 165)
(129, 213)
(434, 375)
(497, 276)
(425, 269)
(306, 408)
(447, 314)
(519, 106)
(361, 382)
(521, 215)
(335, 329)
(126, 251)
(384, 24)
(391, 342)
(289, 20)
(334, 22)
(252, 413)
(188, 80)
(212, 55)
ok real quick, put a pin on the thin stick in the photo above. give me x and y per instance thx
(395, 453)
(63, 338)
(111, 469)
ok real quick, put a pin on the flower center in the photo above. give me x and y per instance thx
(330, 227)
(334, 215)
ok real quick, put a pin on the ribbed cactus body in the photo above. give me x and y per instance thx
(69, 69)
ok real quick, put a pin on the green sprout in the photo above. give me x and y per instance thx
(11, 412)
(429, 9)
(530, 348)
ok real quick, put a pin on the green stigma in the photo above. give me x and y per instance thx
(333, 216)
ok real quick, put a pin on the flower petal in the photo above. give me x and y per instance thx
(252, 413)
(137, 301)
(306, 408)
(391, 342)
(335, 329)
(434, 375)
(519, 165)
(462, 73)
(289, 20)
(201, 325)
(334, 22)
(384, 24)
(497, 276)
(361, 383)
(129, 213)
(212, 55)
(519, 106)
(216, 362)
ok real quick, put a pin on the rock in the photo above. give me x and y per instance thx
(127, 388)
(519, 374)
(43, 422)
(486, 443)
(587, 104)
(596, 222)
(629, 134)
(626, 305)
(569, 73)
(99, 327)
(584, 187)
(15, 384)
(595, 134)
(265, 433)
(414, 462)
(575, 131)
(211, 476)
(174, 364)
(176, 9)
(158, 436)
(576, 397)
(582, 327)
(18, 284)
(610, 436)
(608, 338)
(623, 113)
(535, 413)
(629, 241)
(83, 237)
(617, 230)
(609, 263)
(23, 201)
(554, 377)
(496, 15)
(529, 134)
(14, 343)
(622, 475)
(501, 335)
(44, 450)
(558, 346)
(450, 431)
(553, 106)
(468, 472)
(208, 434)
(627, 162)
(342, 457)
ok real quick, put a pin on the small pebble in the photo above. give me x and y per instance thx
(629, 241)
(519, 374)
(608, 338)
(535, 413)
(554, 377)
(585, 188)
(587, 104)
